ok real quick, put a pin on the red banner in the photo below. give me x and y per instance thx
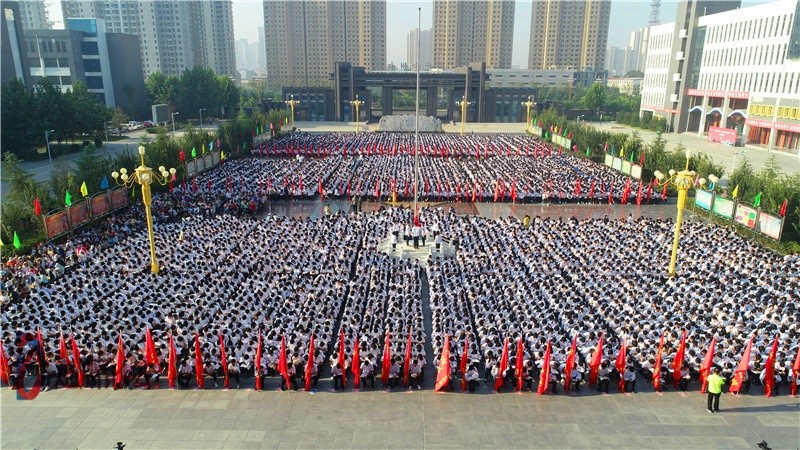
(56, 224)
(724, 135)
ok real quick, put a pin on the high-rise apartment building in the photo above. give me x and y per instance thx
(472, 31)
(13, 61)
(34, 15)
(420, 42)
(638, 47)
(175, 35)
(569, 34)
(306, 38)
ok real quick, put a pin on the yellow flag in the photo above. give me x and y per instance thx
(84, 190)
(622, 152)
(735, 191)
(222, 155)
(204, 148)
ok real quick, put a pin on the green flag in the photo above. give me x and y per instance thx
(588, 152)
(757, 200)
(68, 199)
(564, 134)
(17, 244)
(631, 155)
(194, 152)
(534, 122)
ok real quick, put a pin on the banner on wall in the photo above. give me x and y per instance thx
(769, 225)
(191, 168)
(703, 199)
(56, 224)
(609, 160)
(118, 198)
(100, 204)
(636, 171)
(722, 135)
(746, 216)
(723, 207)
(78, 213)
(626, 167)
(617, 164)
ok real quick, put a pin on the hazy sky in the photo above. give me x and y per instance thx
(626, 16)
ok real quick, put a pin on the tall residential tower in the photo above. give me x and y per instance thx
(569, 34)
(305, 38)
(472, 31)
(175, 35)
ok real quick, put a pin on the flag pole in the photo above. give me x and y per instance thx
(416, 118)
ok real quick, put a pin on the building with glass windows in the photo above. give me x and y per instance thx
(722, 67)
(84, 51)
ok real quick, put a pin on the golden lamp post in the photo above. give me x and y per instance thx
(529, 104)
(683, 181)
(145, 176)
(463, 104)
(292, 103)
(357, 104)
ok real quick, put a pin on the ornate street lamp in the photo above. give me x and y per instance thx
(145, 176)
(683, 181)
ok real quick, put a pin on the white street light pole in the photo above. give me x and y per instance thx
(47, 139)
(201, 116)
(173, 122)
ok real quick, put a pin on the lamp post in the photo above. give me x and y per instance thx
(683, 181)
(528, 105)
(106, 130)
(145, 176)
(201, 117)
(463, 104)
(173, 121)
(47, 139)
(292, 103)
(357, 104)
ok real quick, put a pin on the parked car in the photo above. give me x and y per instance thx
(148, 124)
(133, 125)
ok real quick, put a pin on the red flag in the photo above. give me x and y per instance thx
(463, 364)
(76, 361)
(769, 376)
(621, 363)
(795, 371)
(321, 192)
(657, 366)
(664, 192)
(377, 189)
(498, 382)
(37, 207)
(355, 367)
(341, 357)
(591, 190)
(570, 363)
(611, 194)
(224, 361)
(782, 212)
(649, 190)
(708, 361)
(387, 360)
(257, 371)
(519, 360)
(5, 370)
(677, 363)
(407, 360)
(181, 156)
(474, 191)
(120, 363)
(149, 348)
(639, 196)
(741, 370)
(641, 158)
(172, 364)
(62, 346)
(283, 367)
(199, 371)
(310, 363)
(544, 375)
(443, 375)
(594, 364)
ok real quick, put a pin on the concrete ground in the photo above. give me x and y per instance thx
(219, 419)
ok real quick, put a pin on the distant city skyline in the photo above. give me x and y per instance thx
(626, 16)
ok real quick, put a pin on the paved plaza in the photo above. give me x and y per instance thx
(167, 419)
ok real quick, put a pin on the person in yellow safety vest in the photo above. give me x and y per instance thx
(715, 382)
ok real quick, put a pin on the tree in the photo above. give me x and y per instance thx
(198, 88)
(161, 88)
(118, 117)
(52, 111)
(20, 134)
(88, 115)
(634, 74)
(594, 97)
(90, 168)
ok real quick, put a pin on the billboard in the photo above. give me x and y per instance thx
(208, 160)
(769, 225)
(723, 135)
(191, 169)
(617, 164)
(99, 204)
(160, 113)
(608, 159)
(119, 198)
(746, 216)
(78, 213)
(626, 167)
(56, 224)
(704, 199)
(636, 171)
(215, 158)
(723, 207)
